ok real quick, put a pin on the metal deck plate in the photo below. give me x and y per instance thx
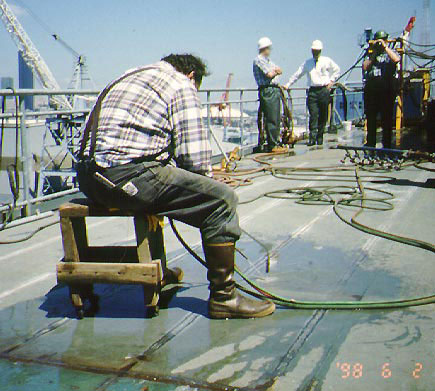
(315, 257)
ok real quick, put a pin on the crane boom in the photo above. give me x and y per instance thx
(31, 55)
(66, 46)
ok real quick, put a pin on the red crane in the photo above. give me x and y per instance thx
(224, 98)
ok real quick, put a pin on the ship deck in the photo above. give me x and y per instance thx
(315, 256)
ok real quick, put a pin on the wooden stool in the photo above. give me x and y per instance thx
(84, 265)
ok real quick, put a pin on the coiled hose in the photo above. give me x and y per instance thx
(356, 197)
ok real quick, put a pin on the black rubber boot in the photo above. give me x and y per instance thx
(225, 301)
(311, 140)
(319, 139)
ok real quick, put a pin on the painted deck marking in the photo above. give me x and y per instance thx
(26, 284)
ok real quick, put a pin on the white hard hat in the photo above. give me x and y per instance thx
(317, 45)
(264, 43)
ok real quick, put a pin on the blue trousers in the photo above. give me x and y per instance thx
(191, 198)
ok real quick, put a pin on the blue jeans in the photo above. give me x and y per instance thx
(191, 198)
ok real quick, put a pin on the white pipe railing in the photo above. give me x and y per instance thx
(246, 97)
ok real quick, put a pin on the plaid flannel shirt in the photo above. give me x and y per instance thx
(261, 67)
(142, 114)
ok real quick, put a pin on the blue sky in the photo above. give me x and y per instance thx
(117, 35)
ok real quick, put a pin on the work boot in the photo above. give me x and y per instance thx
(319, 138)
(172, 276)
(311, 140)
(225, 301)
(258, 149)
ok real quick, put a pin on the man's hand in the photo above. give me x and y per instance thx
(278, 71)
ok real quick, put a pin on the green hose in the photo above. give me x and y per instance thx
(324, 195)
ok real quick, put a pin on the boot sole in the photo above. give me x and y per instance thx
(231, 315)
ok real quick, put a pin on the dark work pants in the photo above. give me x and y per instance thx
(191, 198)
(379, 100)
(270, 105)
(317, 102)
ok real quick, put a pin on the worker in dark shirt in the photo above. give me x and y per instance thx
(380, 90)
(146, 149)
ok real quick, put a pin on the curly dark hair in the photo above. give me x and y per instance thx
(186, 63)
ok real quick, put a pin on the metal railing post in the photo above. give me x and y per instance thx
(332, 112)
(208, 113)
(210, 131)
(25, 159)
(241, 123)
(307, 119)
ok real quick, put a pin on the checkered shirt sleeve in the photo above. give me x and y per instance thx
(192, 146)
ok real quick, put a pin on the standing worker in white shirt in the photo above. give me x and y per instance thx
(321, 73)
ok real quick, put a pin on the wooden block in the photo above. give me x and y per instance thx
(83, 207)
(71, 209)
(110, 273)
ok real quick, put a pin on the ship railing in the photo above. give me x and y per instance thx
(243, 126)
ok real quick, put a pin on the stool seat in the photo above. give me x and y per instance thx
(83, 207)
(83, 265)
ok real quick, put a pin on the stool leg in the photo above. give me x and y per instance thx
(81, 292)
(142, 238)
(147, 250)
(157, 250)
(74, 237)
(151, 300)
(77, 300)
(157, 246)
(75, 244)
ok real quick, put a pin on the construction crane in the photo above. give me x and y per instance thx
(80, 74)
(31, 55)
(224, 99)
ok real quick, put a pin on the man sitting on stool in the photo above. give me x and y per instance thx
(145, 149)
(321, 73)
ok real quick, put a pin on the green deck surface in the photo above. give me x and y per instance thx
(315, 257)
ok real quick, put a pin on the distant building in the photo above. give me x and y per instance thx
(7, 82)
(25, 77)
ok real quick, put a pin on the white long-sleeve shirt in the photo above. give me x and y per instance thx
(319, 73)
